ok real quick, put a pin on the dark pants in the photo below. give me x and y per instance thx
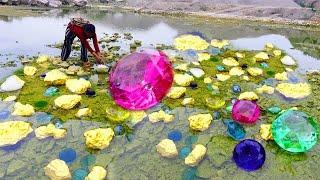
(66, 49)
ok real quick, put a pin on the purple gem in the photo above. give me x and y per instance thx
(249, 155)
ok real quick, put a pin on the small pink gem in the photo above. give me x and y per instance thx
(245, 111)
(141, 79)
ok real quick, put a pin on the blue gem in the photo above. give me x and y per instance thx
(236, 89)
(166, 109)
(191, 140)
(249, 155)
(264, 65)
(4, 114)
(79, 174)
(44, 118)
(90, 92)
(51, 91)
(184, 152)
(118, 130)
(43, 75)
(87, 161)
(189, 174)
(58, 124)
(68, 155)
(216, 115)
(191, 53)
(234, 129)
(220, 68)
(175, 135)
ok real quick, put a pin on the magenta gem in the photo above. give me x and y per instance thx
(141, 79)
(245, 111)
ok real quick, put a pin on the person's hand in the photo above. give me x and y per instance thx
(98, 57)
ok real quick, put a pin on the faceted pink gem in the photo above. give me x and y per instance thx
(141, 79)
(245, 111)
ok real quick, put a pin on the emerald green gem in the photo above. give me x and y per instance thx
(295, 131)
(274, 110)
(41, 104)
(229, 108)
(271, 73)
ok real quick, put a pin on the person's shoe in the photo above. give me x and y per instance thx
(87, 66)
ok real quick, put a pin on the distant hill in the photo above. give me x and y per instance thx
(309, 3)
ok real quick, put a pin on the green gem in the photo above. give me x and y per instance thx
(214, 59)
(229, 108)
(41, 104)
(220, 68)
(271, 73)
(274, 110)
(215, 103)
(295, 131)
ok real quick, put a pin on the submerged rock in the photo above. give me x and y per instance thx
(265, 90)
(203, 56)
(10, 98)
(23, 110)
(55, 77)
(67, 101)
(277, 53)
(294, 91)
(230, 61)
(43, 132)
(200, 122)
(12, 83)
(84, 112)
(99, 138)
(12, 132)
(196, 155)
(188, 41)
(97, 173)
(223, 77)
(78, 86)
(248, 96)
(182, 67)
(57, 170)
(254, 71)
(219, 43)
(281, 76)
(160, 116)
(287, 60)
(187, 101)
(167, 148)
(265, 132)
(183, 79)
(29, 70)
(236, 71)
(261, 56)
(197, 72)
(176, 92)
(42, 59)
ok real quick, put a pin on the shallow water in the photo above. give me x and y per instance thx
(136, 157)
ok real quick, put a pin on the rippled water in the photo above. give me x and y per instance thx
(135, 157)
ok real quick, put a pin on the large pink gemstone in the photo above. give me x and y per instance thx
(141, 79)
(245, 111)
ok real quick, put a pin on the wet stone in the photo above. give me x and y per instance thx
(4, 114)
(87, 161)
(191, 140)
(249, 155)
(68, 155)
(118, 130)
(51, 91)
(236, 89)
(189, 174)
(184, 152)
(79, 174)
(264, 65)
(216, 115)
(175, 135)
(234, 129)
(220, 68)
(193, 85)
(274, 110)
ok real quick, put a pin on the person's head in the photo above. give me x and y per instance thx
(89, 30)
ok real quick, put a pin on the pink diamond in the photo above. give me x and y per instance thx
(245, 111)
(141, 79)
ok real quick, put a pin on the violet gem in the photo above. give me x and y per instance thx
(249, 155)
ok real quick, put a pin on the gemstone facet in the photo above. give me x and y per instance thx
(245, 111)
(68, 155)
(295, 131)
(141, 79)
(175, 135)
(249, 155)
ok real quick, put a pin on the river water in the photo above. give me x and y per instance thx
(137, 158)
